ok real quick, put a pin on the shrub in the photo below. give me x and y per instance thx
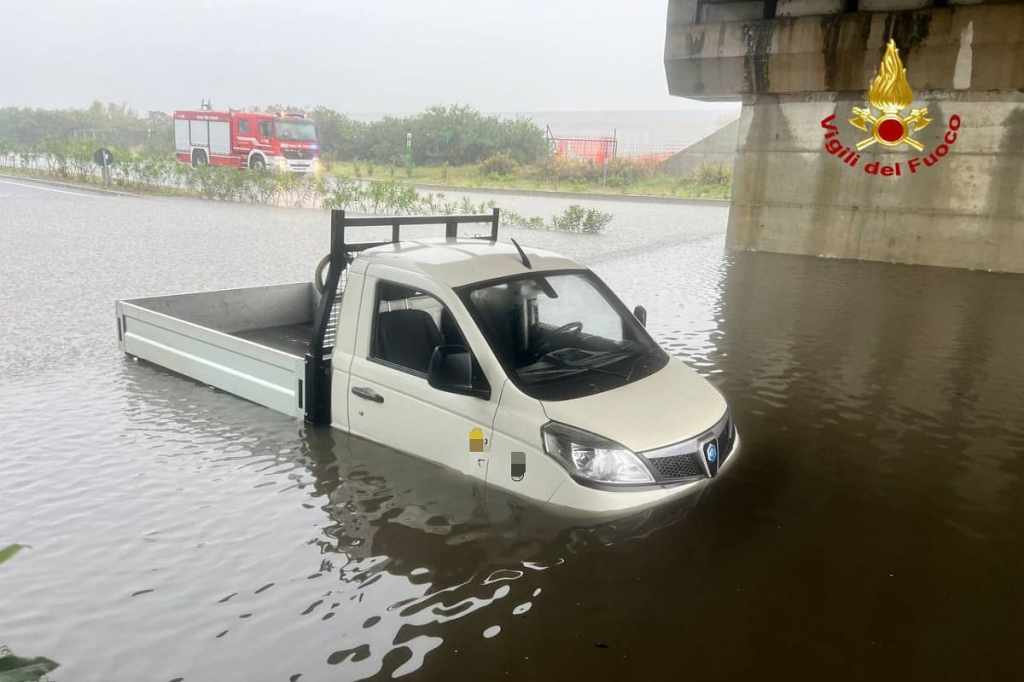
(563, 169)
(501, 163)
(623, 172)
(712, 174)
(579, 219)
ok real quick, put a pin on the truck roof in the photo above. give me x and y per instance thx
(456, 262)
(211, 115)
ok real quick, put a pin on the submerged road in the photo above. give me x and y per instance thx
(871, 528)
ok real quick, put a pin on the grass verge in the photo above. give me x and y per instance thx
(706, 183)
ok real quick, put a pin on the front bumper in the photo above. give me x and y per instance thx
(581, 498)
(297, 165)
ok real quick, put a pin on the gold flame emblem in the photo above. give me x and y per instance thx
(890, 93)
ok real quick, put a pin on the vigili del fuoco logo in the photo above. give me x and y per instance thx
(890, 96)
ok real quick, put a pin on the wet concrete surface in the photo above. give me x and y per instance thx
(871, 528)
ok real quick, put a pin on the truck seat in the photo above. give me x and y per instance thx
(407, 338)
(499, 309)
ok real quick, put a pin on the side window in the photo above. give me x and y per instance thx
(243, 127)
(408, 325)
(265, 129)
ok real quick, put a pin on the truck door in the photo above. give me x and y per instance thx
(244, 135)
(265, 130)
(400, 323)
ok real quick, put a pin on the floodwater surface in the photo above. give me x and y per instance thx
(871, 528)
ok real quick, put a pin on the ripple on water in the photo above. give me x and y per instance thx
(196, 536)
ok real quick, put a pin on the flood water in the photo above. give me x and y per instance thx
(871, 528)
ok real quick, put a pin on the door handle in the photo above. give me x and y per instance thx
(367, 393)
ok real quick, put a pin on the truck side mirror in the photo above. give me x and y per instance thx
(640, 313)
(451, 370)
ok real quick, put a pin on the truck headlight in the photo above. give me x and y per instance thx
(593, 457)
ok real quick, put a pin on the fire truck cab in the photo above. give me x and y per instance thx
(239, 139)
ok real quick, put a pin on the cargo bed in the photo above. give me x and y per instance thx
(272, 345)
(250, 342)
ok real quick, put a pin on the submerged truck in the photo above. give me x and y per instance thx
(515, 366)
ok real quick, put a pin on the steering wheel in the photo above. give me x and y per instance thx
(544, 347)
(569, 327)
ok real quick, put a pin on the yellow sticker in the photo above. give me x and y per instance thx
(476, 439)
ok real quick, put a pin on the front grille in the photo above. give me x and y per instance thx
(678, 466)
(297, 153)
(686, 460)
(725, 442)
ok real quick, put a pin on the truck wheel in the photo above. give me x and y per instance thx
(257, 163)
(199, 159)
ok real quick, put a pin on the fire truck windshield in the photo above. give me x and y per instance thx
(302, 131)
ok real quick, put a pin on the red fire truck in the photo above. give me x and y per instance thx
(241, 139)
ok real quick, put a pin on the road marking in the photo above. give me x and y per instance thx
(50, 189)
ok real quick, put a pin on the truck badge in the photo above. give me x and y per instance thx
(890, 93)
(711, 452)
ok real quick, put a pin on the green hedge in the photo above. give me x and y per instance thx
(72, 160)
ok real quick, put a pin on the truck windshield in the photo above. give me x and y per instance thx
(299, 131)
(562, 336)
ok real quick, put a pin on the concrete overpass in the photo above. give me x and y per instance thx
(794, 63)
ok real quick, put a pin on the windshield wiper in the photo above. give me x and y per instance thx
(641, 355)
(538, 374)
(591, 361)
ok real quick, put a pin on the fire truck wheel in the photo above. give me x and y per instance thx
(199, 158)
(257, 163)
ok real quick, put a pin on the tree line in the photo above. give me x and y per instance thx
(453, 135)
(443, 134)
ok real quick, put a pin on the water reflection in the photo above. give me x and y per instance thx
(871, 529)
(403, 548)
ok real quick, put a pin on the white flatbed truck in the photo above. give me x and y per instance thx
(515, 366)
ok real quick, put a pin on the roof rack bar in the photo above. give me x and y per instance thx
(363, 246)
(451, 226)
(382, 221)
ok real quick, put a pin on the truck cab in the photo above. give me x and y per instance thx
(569, 399)
(515, 366)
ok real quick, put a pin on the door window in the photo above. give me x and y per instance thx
(243, 127)
(264, 128)
(408, 325)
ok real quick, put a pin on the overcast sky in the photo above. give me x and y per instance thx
(370, 56)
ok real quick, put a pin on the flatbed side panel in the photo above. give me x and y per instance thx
(234, 310)
(252, 371)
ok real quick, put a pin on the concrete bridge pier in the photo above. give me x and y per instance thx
(800, 67)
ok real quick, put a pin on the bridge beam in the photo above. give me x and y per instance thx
(794, 63)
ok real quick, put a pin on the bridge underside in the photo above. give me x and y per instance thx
(795, 63)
